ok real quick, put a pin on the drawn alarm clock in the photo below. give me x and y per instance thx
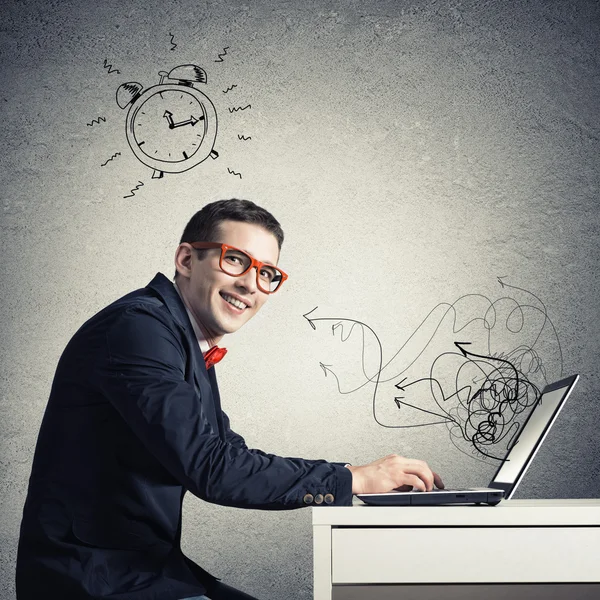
(171, 127)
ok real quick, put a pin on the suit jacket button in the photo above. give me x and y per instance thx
(319, 499)
(308, 498)
(329, 498)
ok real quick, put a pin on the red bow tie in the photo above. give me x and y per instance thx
(213, 356)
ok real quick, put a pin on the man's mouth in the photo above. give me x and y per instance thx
(234, 301)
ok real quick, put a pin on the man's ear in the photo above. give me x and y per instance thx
(183, 259)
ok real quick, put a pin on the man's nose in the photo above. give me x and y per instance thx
(248, 280)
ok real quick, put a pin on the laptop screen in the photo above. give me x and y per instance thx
(532, 435)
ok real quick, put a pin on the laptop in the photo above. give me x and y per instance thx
(513, 467)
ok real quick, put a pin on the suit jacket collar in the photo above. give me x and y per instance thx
(168, 294)
(166, 291)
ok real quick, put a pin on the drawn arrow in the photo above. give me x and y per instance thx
(169, 117)
(460, 345)
(310, 321)
(445, 418)
(325, 369)
(543, 310)
(399, 386)
(374, 379)
(402, 386)
(191, 121)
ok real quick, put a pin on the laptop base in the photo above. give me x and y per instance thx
(436, 498)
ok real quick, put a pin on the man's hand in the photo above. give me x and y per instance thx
(393, 472)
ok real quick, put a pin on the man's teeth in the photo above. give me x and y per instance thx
(235, 302)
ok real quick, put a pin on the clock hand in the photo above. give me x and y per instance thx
(169, 117)
(191, 121)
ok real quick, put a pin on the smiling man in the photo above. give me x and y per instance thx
(134, 420)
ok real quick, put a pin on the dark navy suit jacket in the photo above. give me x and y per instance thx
(133, 421)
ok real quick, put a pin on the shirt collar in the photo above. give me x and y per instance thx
(197, 331)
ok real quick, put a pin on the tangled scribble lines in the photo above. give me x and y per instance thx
(484, 374)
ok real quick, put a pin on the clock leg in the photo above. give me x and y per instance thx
(157, 174)
(214, 154)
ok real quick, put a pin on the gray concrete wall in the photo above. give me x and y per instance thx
(414, 152)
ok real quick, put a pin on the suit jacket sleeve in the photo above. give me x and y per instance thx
(144, 379)
(237, 440)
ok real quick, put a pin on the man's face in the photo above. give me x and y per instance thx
(209, 291)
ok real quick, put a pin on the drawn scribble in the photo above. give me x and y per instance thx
(173, 44)
(224, 53)
(171, 127)
(96, 121)
(243, 138)
(237, 108)
(133, 191)
(234, 173)
(111, 158)
(481, 394)
(229, 88)
(110, 69)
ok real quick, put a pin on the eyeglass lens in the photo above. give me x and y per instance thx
(237, 263)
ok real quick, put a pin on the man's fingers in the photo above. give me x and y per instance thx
(421, 470)
(415, 482)
(394, 472)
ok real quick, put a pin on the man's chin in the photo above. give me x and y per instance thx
(229, 325)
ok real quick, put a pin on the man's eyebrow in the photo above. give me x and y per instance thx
(266, 262)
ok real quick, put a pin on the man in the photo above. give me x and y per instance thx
(134, 420)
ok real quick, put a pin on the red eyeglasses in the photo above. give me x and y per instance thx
(236, 262)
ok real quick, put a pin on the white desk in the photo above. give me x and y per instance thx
(541, 548)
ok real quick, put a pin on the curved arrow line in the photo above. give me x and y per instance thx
(450, 307)
(545, 313)
(326, 370)
(401, 385)
(445, 398)
(460, 345)
(398, 401)
(311, 321)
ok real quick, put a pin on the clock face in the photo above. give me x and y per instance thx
(169, 126)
